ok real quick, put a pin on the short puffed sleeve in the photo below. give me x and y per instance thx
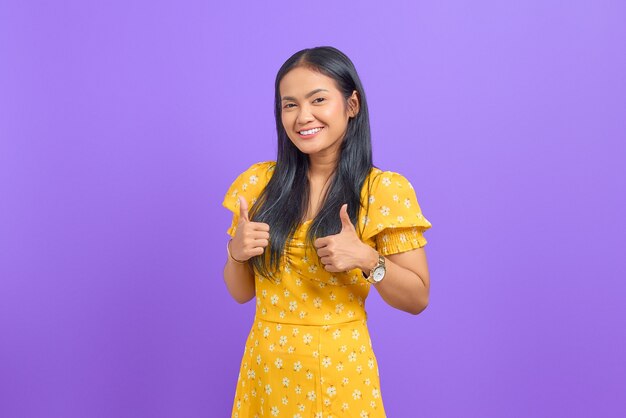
(394, 218)
(248, 184)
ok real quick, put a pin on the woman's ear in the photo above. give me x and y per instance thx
(353, 104)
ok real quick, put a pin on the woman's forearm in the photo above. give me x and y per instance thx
(239, 279)
(401, 288)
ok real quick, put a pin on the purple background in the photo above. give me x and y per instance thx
(123, 124)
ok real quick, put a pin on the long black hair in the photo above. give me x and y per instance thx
(284, 201)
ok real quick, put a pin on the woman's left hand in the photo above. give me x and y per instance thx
(343, 251)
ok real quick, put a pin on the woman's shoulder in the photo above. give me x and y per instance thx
(249, 183)
(384, 181)
(391, 202)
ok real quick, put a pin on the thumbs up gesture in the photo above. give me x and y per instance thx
(251, 238)
(343, 251)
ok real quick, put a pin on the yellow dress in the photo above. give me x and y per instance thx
(308, 353)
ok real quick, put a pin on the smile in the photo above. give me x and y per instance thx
(309, 132)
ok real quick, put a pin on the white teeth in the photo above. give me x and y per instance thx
(310, 131)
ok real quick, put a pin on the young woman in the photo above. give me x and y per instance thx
(311, 233)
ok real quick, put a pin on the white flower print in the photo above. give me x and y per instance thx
(293, 305)
(372, 199)
(340, 366)
(309, 375)
(282, 340)
(266, 332)
(384, 210)
(359, 369)
(395, 198)
(307, 338)
(336, 334)
(312, 268)
(364, 414)
(370, 363)
(297, 366)
(400, 219)
(331, 390)
(253, 179)
(275, 411)
(407, 202)
(286, 382)
(352, 357)
(356, 394)
(375, 393)
(298, 389)
(326, 362)
(386, 181)
(355, 334)
(268, 389)
(317, 302)
(279, 363)
(311, 395)
(274, 299)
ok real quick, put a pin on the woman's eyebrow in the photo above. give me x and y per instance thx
(306, 97)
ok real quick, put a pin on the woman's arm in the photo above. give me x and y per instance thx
(406, 283)
(250, 239)
(239, 279)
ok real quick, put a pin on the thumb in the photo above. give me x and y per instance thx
(243, 209)
(346, 223)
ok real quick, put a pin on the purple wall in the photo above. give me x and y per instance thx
(122, 125)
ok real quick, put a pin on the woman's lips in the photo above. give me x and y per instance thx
(310, 135)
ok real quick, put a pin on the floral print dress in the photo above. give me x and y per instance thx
(309, 353)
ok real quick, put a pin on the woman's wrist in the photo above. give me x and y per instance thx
(230, 256)
(369, 259)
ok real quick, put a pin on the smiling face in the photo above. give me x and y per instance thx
(314, 113)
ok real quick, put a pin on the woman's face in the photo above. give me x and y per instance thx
(314, 112)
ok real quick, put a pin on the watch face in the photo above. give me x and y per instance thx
(378, 274)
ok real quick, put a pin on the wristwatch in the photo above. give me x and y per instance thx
(378, 272)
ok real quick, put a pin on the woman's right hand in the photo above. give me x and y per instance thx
(251, 238)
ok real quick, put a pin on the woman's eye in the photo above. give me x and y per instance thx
(288, 105)
(319, 98)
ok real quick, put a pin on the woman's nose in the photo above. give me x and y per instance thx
(304, 115)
